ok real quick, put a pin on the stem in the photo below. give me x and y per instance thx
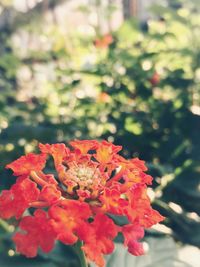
(5, 226)
(39, 204)
(80, 253)
(37, 179)
(116, 177)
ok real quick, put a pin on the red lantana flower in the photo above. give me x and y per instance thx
(155, 79)
(91, 184)
(104, 41)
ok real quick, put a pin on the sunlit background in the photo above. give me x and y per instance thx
(123, 70)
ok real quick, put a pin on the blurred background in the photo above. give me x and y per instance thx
(123, 70)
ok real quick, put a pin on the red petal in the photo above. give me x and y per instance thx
(58, 152)
(50, 194)
(39, 233)
(135, 248)
(112, 201)
(67, 218)
(97, 237)
(84, 145)
(106, 151)
(139, 164)
(25, 244)
(15, 201)
(7, 209)
(132, 233)
(28, 163)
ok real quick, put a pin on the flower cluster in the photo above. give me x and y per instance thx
(92, 182)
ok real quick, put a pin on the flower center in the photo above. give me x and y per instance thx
(82, 177)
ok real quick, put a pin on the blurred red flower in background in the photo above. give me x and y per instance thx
(155, 79)
(92, 183)
(104, 41)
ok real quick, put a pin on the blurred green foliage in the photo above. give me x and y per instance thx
(141, 92)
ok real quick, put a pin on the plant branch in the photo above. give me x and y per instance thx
(80, 253)
(11, 20)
